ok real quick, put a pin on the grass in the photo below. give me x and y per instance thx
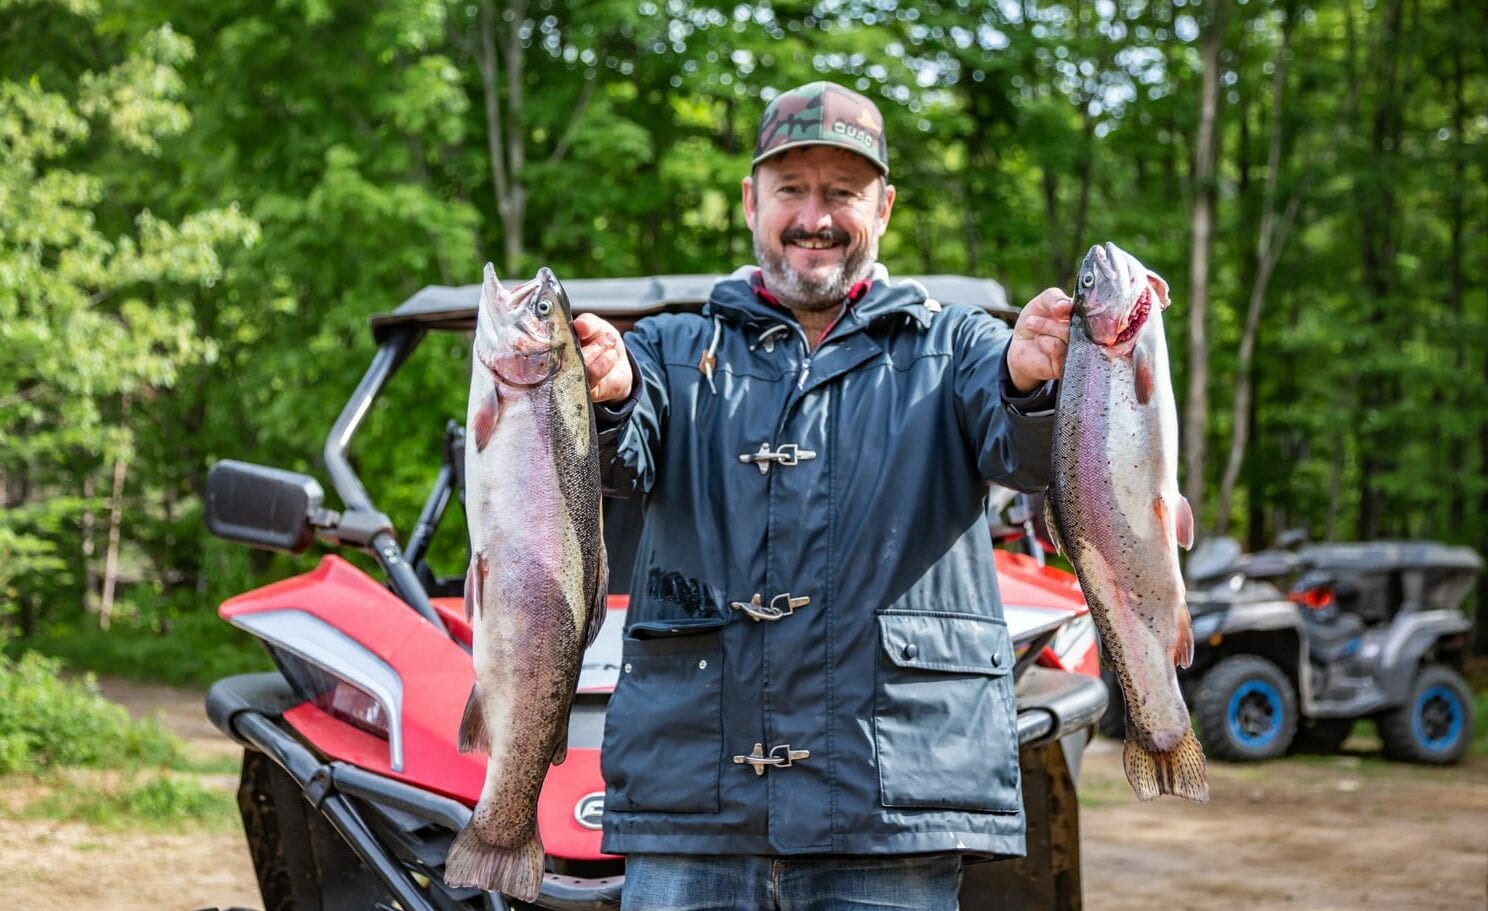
(155, 801)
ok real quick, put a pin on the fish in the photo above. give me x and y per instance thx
(1115, 512)
(535, 588)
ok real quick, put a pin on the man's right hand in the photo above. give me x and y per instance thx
(605, 364)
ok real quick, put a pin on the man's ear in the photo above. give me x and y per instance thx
(885, 208)
(746, 187)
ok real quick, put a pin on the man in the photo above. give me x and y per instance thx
(814, 709)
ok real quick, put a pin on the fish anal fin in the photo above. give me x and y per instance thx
(560, 747)
(1183, 650)
(1051, 522)
(474, 863)
(1185, 524)
(1142, 372)
(473, 735)
(1180, 771)
(485, 418)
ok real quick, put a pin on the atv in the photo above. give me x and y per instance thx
(352, 787)
(1295, 645)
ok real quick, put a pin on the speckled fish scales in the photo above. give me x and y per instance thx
(1117, 515)
(535, 590)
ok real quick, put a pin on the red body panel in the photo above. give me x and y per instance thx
(437, 677)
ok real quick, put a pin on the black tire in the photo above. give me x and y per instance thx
(1113, 723)
(1435, 724)
(1246, 708)
(1322, 736)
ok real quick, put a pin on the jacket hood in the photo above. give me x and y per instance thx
(734, 300)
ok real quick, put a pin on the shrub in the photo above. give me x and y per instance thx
(47, 721)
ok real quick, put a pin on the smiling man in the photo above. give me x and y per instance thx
(814, 709)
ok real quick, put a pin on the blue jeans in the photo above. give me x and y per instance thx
(673, 882)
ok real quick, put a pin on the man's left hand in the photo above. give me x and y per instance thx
(1040, 339)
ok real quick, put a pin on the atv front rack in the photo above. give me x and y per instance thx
(355, 802)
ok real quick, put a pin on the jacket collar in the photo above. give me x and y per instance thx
(735, 300)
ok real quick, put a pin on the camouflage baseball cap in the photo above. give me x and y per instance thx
(823, 113)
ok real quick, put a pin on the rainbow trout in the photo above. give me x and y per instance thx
(1115, 511)
(535, 590)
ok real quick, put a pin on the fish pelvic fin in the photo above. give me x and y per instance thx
(1185, 524)
(1183, 649)
(485, 418)
(1051, 522)
(475, 581)
(474, 863)
(1180, 771)
(474, 738)
(560, 746)
(599, 607)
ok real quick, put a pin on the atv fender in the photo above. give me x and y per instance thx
(1411, 637)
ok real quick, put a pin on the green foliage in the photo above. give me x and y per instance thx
(152, 801)
(48, 722)
(202, 204)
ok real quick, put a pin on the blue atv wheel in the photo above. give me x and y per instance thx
(1246, 709)
(1434, 725)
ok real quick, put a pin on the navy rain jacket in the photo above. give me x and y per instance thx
(815, 656)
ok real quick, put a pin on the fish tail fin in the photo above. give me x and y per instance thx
(1179, 772)
(472, 862)
(473, 734)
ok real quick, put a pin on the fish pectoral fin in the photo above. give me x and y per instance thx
(1183, 650)
(1185, 524)
(1180, 771)
(1051, 522)
(475, 585)
(484, 423)
(473, 735)
(1159, 288)
(1142, 372)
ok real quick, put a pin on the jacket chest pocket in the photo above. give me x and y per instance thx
(945, 720)
(664, 726)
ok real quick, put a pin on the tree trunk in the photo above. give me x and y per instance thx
(116, 520)
(90, 572)
(1269, 242)
(505, 144)
(1196, 408)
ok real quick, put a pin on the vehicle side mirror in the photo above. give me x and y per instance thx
(261, 506)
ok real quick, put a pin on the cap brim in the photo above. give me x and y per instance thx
(802, 143)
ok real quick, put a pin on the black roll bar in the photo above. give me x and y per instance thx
(384, 547)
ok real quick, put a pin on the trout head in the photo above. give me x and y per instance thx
(524, 335)
(1114, 294)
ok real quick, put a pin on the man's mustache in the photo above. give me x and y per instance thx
(825, 235)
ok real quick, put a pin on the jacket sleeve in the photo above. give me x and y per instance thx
(1012, 433)
(630, 434)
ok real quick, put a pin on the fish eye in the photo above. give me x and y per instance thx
(544, 307)
(1087, 279)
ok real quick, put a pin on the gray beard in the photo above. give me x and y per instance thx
(814, 296)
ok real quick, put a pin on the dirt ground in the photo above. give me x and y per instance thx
(1343, 832)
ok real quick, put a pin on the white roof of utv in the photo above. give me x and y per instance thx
(453, 308)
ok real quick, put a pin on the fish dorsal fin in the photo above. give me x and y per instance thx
(1051, 522)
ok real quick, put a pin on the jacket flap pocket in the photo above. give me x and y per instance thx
(682, 626)
(956, 643)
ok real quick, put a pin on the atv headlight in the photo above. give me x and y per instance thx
(339, 675)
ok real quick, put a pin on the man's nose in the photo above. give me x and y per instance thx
(814, 214)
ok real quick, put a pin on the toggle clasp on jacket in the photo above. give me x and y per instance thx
(782, 605)
(779, 756)
(789, 454)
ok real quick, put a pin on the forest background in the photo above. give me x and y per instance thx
(201, 204)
